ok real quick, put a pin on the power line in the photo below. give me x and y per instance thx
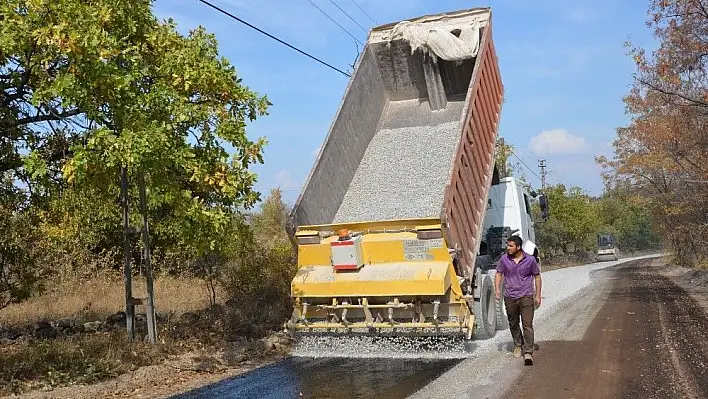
(273, 37)
(348, 16)
(524, 163)
(362, 10)
(335, 22)
(549, 171)
(560, 177)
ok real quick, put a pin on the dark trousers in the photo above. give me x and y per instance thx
(522, 308)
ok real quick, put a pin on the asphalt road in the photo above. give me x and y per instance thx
(649, 340)
(627, 333)
(328, 378)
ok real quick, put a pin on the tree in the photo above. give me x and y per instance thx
(260, 268)
(503, 152)
(20, 271)
(572, 225)
(659, 155)
(627, 216)
(90, 87)
(269, 224)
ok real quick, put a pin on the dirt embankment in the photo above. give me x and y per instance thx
(174, 374)
(179, 374)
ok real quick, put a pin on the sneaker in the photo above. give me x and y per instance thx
(528, 359)
(517, 351)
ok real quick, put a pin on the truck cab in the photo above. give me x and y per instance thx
(508, 213)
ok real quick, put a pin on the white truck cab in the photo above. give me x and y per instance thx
(508, 213)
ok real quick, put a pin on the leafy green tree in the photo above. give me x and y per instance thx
(576, 219)
(573, 214)
(90, 87)
(628, 217)
(269, 224)
(502, 153)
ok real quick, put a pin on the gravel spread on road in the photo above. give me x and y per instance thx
(402, 174)
(493, 366)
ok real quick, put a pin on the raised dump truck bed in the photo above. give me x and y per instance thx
(390, 218)
(414, 135)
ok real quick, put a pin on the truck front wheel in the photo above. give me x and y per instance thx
(502, 319)
(485, 310)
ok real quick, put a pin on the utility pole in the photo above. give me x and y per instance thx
(542, 166)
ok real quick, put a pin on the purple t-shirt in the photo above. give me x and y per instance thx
(518, 279)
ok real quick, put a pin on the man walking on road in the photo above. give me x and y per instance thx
(519, 271)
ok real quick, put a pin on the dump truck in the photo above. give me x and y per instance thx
(403, 216)
(607, 247)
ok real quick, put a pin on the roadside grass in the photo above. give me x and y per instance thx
(97, 297)
(30, 363)
(81, 359)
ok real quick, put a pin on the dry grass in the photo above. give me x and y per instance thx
(78, 359)
(86, 358)
(99, 297)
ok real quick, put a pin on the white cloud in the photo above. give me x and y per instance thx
(557, 141)
(316, 151)
(284, 180)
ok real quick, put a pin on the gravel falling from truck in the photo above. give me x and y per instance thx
(396, 179)
(401, 347)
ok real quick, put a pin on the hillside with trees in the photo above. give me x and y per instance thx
(659, 155)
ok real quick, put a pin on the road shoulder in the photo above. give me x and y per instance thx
(173, 377)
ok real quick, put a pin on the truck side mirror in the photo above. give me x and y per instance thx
(543, 202)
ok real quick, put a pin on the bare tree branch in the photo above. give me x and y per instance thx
(42, 118)
(670, 93)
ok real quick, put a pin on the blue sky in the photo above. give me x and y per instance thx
(563, 66)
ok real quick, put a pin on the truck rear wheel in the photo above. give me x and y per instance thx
(502, 320)
(485, 310)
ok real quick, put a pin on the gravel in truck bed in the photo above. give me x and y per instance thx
(402, 174)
